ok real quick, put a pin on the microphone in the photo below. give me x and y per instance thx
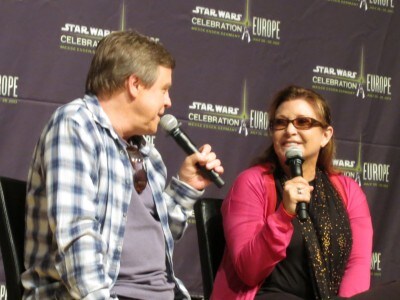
(171, 126)
(294, 159)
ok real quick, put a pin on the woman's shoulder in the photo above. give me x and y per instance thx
(346, 181)
(353, 191)
(257, 171)
(253, 177)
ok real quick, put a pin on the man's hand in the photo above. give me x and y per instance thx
(190, 174)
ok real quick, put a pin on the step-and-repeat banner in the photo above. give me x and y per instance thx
(232, 56)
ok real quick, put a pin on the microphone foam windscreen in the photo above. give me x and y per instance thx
(293, 152)
(168, 122)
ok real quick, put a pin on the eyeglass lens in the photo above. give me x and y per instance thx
(299, 123)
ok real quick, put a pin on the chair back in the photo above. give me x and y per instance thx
(12, 233)
(211, 240)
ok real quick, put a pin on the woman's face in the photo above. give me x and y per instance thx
(309, 141)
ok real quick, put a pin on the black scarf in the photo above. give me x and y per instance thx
(327, 236)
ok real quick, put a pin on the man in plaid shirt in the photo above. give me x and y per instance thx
(93, 180)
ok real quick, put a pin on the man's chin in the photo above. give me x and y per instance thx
(152, 132)
(153, 129)
(148, 131)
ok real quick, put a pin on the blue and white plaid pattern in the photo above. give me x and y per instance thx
(79, 187)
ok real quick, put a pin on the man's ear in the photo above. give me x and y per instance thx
(132, 84)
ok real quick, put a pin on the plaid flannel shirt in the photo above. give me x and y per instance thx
(79, 187)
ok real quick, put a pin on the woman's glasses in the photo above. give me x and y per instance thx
(140, 177)
(300, 123)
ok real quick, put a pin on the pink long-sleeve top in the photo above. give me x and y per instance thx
(257, 235)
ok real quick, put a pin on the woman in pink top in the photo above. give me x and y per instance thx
(270, 253)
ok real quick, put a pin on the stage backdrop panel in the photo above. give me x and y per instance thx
(232, 56)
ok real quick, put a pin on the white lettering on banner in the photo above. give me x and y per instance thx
(334, 82)
(229, 15)
(78, 41)
(345, 73)
(385, 3)
(259, 120)
(344, 81)
(222, 109)
(202, 106)
(3, 292)
(266, 28)
(213, 119)
(379, 84)
(376, 261)
(205, 11)
(8, 86)
(150, 139)
(217, 24)
(74, 28)
(234, 25)
(226, 109)
(99, 32)
(324, 70)
(376, 172)
(227, 118)
(344, 163)
(335, 72)
(210, 12)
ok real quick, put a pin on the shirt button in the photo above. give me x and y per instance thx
(121, 152)
(119, 248)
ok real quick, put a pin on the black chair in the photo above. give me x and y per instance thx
(211, 239)
(386, 290)
(12, 232)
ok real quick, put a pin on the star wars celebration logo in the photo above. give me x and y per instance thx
(365, 173)
(347, 81)
(237, 25)
(8, 89)
(81, 38)
(210, 115)
(385, 6)
(227, 118)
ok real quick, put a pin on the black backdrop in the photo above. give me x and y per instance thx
(232, 56)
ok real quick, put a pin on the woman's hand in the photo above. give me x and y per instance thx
(296, 190)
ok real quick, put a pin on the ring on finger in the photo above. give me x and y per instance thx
(299, 191)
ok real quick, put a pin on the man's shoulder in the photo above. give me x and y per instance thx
(76, 111)
(71, 108)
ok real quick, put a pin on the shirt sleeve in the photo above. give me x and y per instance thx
(357, 276)
(255, 240)
(70, 160)
(180, 199)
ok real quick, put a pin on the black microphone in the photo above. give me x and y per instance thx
(294, 159)
(170, 125)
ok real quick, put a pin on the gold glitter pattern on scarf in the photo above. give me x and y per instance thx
(327, 236)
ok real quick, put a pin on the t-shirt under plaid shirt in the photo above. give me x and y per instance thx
(79, 187)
